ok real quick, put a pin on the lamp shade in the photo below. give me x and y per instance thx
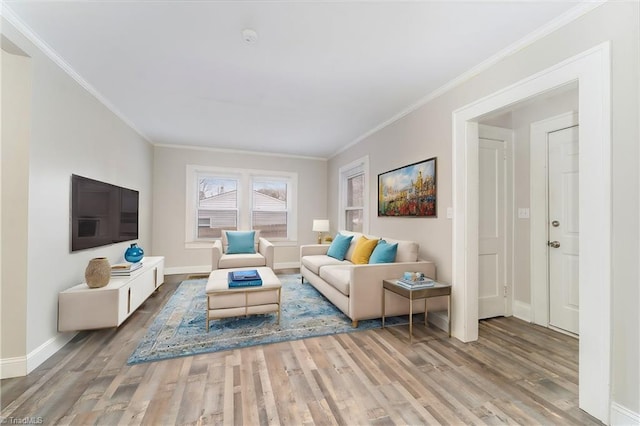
(320, 225)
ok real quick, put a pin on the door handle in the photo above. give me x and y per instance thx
(554, 244)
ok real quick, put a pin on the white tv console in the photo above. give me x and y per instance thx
(84, 308)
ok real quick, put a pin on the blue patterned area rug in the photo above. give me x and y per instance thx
(179, 329)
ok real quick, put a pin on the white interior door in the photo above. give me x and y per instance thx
(492, 289)
(563, 228)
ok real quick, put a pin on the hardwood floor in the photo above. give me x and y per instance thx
(516, 373)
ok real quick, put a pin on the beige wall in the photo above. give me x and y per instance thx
(16, 108)
(427, 132)
(169, 202)
(70, 132)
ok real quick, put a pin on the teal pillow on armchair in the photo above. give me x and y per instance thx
(339, 246)
(241, 242)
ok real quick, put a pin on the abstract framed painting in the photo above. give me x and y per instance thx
(409, 191)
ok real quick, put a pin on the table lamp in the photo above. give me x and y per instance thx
(320, 226)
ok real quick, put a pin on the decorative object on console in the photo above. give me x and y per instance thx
(133, 253)
(320, 226)
(98, 272)
(409, 191)
(124, 269)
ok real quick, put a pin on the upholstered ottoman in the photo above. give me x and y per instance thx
(223, 302)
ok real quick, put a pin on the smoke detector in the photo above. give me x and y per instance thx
(249, 36)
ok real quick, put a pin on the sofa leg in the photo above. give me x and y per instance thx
(301, 279)
(354, 324)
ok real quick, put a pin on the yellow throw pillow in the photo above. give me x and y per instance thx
(363, 250)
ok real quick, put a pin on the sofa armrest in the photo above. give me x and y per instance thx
(366, 283)
(313, 249)
(265, 248)
(216, 254)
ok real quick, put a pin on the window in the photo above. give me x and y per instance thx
(232, 199)
(354, 196)
(354, 208)
(217, 205)
(270, 211)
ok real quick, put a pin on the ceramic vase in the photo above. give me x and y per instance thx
(133, 254)
(98, 272)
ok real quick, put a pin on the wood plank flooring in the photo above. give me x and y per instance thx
(516, 373)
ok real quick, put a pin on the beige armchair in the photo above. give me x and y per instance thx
(262, 257)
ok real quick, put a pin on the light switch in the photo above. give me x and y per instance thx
(523, 213)
(449, 212)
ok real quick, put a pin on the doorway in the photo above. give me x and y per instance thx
(591, 70)
(495, 244)
(555, 219)
(564, 231)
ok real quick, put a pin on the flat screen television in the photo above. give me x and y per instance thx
(101, 213)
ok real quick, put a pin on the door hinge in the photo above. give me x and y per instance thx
(505, 291)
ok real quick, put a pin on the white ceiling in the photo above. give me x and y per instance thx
(321, 75)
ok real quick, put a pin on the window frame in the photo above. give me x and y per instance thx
(357, 167)
(289, 210)
(245, 178)
(239, 192)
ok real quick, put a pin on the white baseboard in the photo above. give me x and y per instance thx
(522, 311)
(13, 367)
(23, 365)
(622, 416)
(47, 349)
(286, 265)
(175, 270)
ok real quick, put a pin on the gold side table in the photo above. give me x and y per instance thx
(439, 289)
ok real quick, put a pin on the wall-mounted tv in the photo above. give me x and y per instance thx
(101, 213)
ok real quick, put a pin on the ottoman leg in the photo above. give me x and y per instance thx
(206, 313)
(279, 303)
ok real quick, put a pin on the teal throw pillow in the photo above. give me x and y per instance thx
(339, 246)
(241, 242)
(384, 252)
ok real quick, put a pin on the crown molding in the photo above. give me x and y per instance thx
(553, 25)
(237, 151)
(25, 30)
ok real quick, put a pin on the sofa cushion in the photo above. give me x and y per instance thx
(315, 262)
(407, 250)
(352, 247)
(337, 276)
(362, 252)
(225, 240)
(384, 252)
(241, 260)
(339, 246)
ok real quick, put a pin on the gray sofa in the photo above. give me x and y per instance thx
(357, 289)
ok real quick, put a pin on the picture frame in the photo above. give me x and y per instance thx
(409, 191)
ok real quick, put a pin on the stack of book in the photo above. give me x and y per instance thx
(124, 269)
(249, 278)
(415, 284)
